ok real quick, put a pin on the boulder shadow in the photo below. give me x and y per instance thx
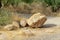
(48, 25)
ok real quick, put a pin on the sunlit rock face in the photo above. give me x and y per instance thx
(8, 27)
(23, 22)
(36, 20)
(13, 26)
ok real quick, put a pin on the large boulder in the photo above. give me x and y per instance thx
(36, 20)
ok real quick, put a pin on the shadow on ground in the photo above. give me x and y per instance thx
(48, 25)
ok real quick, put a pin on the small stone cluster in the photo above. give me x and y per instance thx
(36, 20)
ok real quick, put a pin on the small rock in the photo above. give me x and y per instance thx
(15, 25)
(12, 26)
(23, 22)
(36, 20)
(8, 27)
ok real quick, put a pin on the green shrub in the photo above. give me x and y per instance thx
(28, 1)
(15, 2)
(10, 2)
(53, 3)
(5, 17)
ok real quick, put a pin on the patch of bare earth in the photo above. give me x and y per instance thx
(28, 33)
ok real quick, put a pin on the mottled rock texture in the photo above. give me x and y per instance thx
(36, 20)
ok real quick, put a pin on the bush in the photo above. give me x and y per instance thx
(28, 1)
(10, 2)
(5, 17)
(53, 3)
(14, 2)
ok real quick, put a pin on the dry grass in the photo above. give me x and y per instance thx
(25, 33)
(32, 8)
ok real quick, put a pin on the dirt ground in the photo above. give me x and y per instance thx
(32, 34)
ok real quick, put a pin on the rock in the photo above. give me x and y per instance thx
(23, 22)
(8, 27)
(12, 26)
(36, 20)
(15, 25)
